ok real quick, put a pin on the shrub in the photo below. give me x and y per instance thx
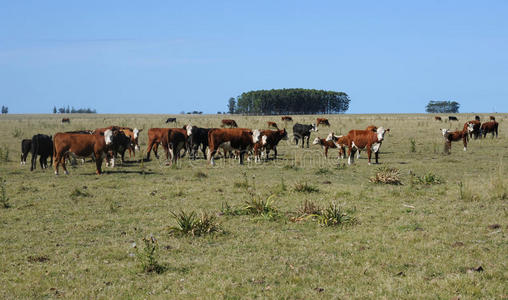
(190, 224)
(305, 188)
(387, 175)
(148, 256)
(335, 216)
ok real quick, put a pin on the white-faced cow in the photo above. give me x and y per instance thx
(268, 140)
(238, 139)
(454, 136)
(365, 139)
(324, 144)
(197, 137)
(301, 131)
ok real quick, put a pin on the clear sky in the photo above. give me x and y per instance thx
(173, 56)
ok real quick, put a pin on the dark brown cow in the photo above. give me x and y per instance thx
(492, 118)
(174, 141)
(322, 121)
(324, 144)
(476, 129)
(133, 134)
(83, 145)
(438, 118)
(490, 127)
(454, 136)
(229, 122)
(287, 119)
(66, 120)
(272, 124)
(361, 139)
(26, 145)
(156, 136)
(268, 140)
(477, 118)
(239, 139)
(452, 118)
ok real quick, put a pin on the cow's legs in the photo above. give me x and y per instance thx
(64, 167)
(211, 153)
(149, 149)
(308, 138)
(464, 140)
(98, 163)
(369, 152)
(351, 156)
(376, 154)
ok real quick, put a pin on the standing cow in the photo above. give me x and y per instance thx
(365, 139)
(301, 131)
(238, 139)
(26, 144)
(42, 145)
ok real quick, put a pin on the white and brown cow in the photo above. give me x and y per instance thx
(324, 144)
(238, 139)
(268, 140)
(454, 136)
(365, 139)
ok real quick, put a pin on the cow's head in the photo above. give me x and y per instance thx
(470, 127)
(331, 137)
(380, 132)
(316, 141)
(263, 140)
(189, 129)
(444, 131)
(136, 136)
(314, 127)
(108, 136)
(255, 135)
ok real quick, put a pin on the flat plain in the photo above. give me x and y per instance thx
(441, 233)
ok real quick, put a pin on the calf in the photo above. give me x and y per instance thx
(41, 145)
(324, 144)
(66, 120)
(342, 142)
(287, 119)
(272, 124)
(437, 118)
(322, 121)
(171, 120)
(301, 131)
(361, 139)
(490, 127)
(197, 137)
(83, 145)
(476, 129)
(229, 122)
(26, 144)
(268, 140)
(453, 136)
(239, 139)
(452, 118)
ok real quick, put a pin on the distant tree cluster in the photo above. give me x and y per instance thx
(5, 110)
(194, 112)
(289, 101)
(442, 107)
(72, 110)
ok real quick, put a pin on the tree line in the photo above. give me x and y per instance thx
(442, 107)
(289, 101)
(69, 110)
(5, 110)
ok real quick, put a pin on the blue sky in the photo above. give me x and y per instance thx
(172, 56)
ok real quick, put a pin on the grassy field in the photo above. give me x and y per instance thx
(441, 233)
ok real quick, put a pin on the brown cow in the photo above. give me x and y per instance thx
(174, 141)
(268, 140)
(492, 118)
(287, 119)
(489, 127)
(454, 136)
(342, 142)
(133, 134)
(157, 136)
(324, 144)
(476, 132)
(272, 124)
(240, 139)
(361, 139)
(438, 118)
(322, 121)
(229, 122)
(371, 128)
(66, 120)
(65, 144)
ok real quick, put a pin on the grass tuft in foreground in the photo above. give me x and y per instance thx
(191, 224)
(334, 215)
(305, 188)
(148, 256)
(387, 175)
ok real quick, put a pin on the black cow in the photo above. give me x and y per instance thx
(452, 118)
(120, 143)
(171, 120)
(26, 144)
(477, 118)
(301, 131)
(197, 137)
(41, 145)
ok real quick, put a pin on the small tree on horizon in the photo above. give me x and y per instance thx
(442, 107)
(232, 105)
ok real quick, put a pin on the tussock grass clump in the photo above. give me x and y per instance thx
(191, 224)
(334, 215)
(412, 147)
(228, 210)
(4, 154)
(258, 205)
(387, 175)
(148, 255)
(77, 192)
(200, 175)
(4, 200)
(305, 188)
(16, 133)
(466, 194)
(307, 210)
(427, 179)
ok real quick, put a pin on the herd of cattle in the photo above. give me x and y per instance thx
(106, 143)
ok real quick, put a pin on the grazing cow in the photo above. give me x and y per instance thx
(174, 141)
(301, 131)
(268, 140)
(229, 122)
(26, 144)
(490, 127)
(492, 118)
(452, 118)
(66, 120)
(454, 136)
(197, 137)
(438, 118)
(324, 144)
(322, 121)
(371, 128)
(239, 139)
(82, 145)
(476, 132)
(361, 139)
(287, 119)
(155, 137)
(477, 118)
(272, 124)
(41, 145)
(171, 120)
